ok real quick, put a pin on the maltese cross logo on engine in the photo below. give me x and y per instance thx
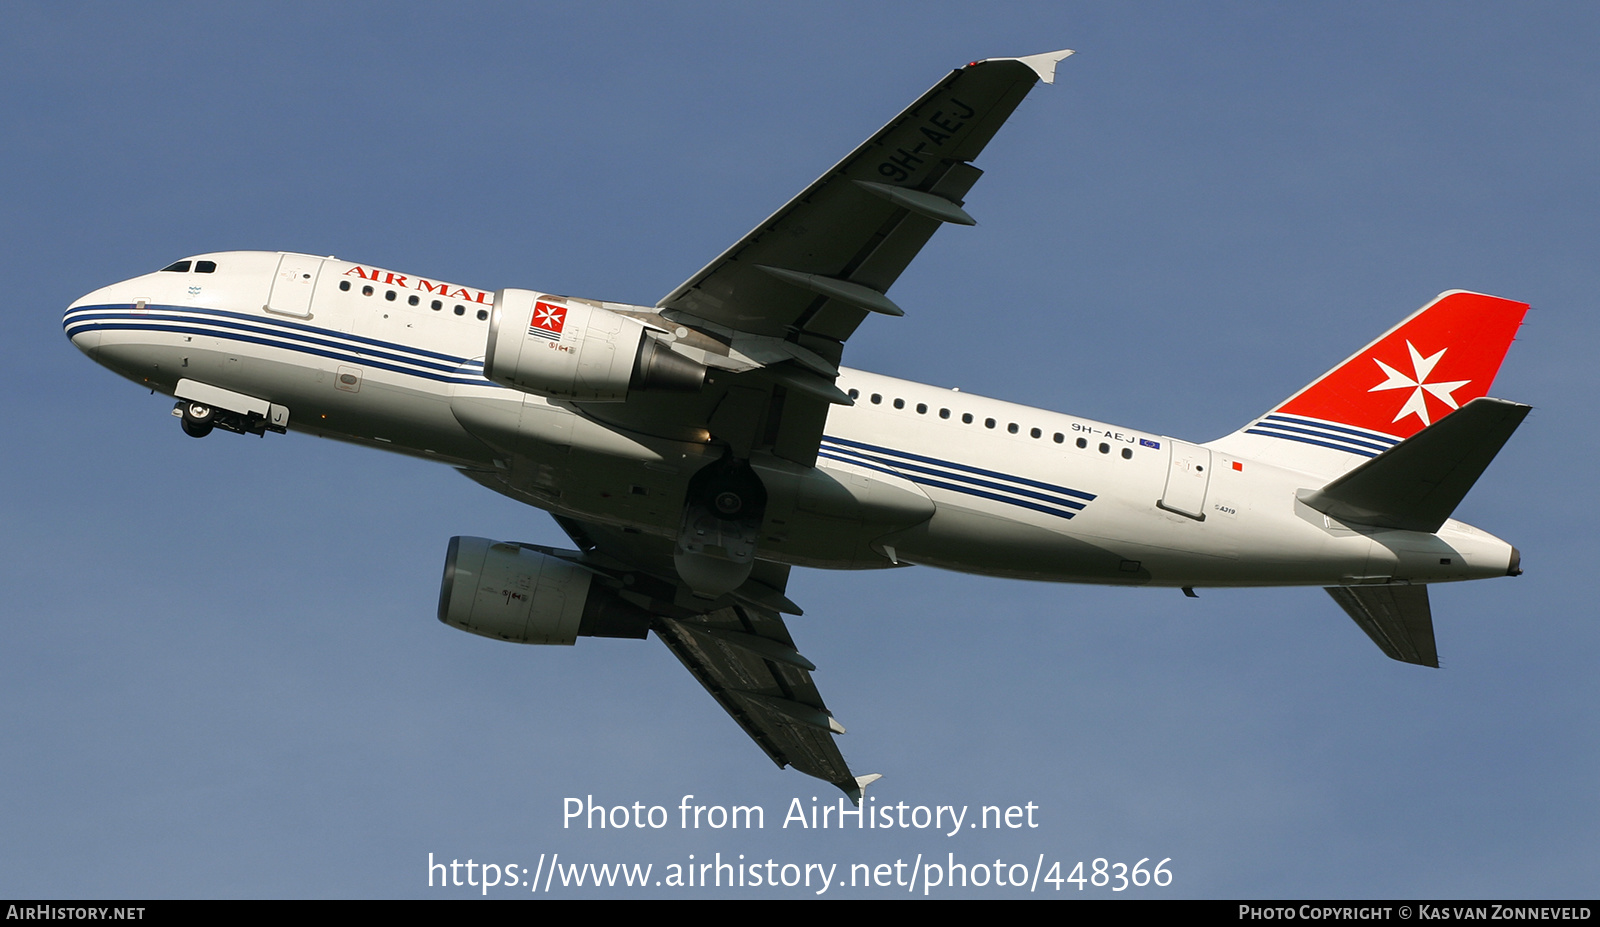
(1416, 404)
(547, 321)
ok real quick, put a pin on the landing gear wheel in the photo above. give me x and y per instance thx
(728, 503)
(197, 420)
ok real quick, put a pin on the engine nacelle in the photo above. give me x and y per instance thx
(547, 346)
(514, 593)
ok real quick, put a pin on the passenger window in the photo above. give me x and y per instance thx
(1036, 433)
(483, 314)
(1082, 443)
(944, 413)
(1060, 437)
(966, 418)
(1105, 448)
(461, 310)
(414, 300)
(988, 423)
(437, 305)
(855, 394)
(922, 408)
(205, 267)
(366, 291)
(344, 285)
(876, 398)
(389, 295)
(1012, 428)
(1127, 453)
(181, 267)
(899, 403)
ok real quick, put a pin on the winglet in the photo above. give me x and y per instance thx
(1043, 65)
(860, 789)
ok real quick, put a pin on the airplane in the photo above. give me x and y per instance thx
(695, 451)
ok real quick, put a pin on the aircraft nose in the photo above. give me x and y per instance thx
(80, 320)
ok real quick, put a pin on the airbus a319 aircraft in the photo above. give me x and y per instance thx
(695, 451)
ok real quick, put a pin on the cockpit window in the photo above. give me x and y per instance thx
(182, 267)
(205, 267)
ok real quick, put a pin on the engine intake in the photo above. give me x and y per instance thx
(547, 346)
(515, 593)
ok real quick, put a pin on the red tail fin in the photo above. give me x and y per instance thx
(1433, 363)
(1436, 361)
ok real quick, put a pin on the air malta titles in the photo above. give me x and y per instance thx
(390, 278)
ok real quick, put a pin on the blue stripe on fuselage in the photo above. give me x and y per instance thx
(304, 339)
(1049, 498)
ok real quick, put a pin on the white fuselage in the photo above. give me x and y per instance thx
(911, 474)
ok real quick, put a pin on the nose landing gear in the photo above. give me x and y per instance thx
(196, 420)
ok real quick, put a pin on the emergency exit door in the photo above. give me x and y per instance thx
(293, 285)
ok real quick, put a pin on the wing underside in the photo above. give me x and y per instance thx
(779, 303)
(748, 662)
(819, 264)
(738, 647)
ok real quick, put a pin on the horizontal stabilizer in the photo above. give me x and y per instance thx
(1397, 618)
(1415, 485)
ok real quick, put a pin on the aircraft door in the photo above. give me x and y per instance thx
(292, 287)
(1188, 475)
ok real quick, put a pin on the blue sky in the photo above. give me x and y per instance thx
(221, 675)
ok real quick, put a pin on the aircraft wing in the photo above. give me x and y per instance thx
(770, 316)
(771, 313)
(819, 264)
(737, 647)
(746, 659)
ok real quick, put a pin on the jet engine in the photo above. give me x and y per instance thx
(514, 592)
(551, 347)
